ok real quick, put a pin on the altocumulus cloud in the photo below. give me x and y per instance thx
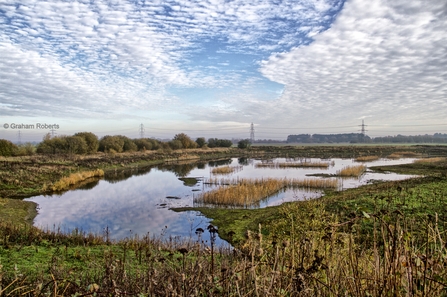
(89, 58)
(381, 59)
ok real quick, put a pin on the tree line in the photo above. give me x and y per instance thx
(88, 143)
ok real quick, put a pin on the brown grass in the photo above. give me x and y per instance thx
(246, 192)
(225, 169)
(398, 155)
(294, 165)
(66, 182)
(430, 160)
(352, 171)
(367, 158)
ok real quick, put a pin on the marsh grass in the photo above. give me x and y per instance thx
(430, 160)
(66, 182)
(226, 169)
(367, 158)
(244, 192)
(404, 154)
(293, 165)
(352, 171)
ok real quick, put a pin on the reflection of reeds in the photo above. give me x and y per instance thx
(245, 192)
(430, 160)
(367, 158)
(352, 171)
(293, 165)
(74, 178)
(224, 170)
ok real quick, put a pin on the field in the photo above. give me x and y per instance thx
(384, 239)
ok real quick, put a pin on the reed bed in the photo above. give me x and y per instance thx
(398, 155)
(225, 169)
(244, 192)
(430, 160)
(352, 171)
(367, 158)
(293, 165)
(66, 182)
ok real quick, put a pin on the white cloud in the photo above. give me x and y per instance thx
(386, 59)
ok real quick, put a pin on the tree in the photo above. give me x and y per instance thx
(243, 144)
(185, 140)
(201, 141)
(7, 148)
(91, 140)
(109, 144)
(143, 144)
(75, 145)
(175, 144)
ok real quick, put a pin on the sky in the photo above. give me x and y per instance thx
(210, 68)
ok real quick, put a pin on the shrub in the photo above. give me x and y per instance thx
(7, 148)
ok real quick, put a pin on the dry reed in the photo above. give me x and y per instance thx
(367, 158)
(245, 192)
(66, 182)
(225, 170)
(430, 160)
(294, 165)
(352, 171)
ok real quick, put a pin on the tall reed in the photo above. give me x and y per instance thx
(367, 158)
(244, 192)
(66, 182)
(352, 171)
(293, 165)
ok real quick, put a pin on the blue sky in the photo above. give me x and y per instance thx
(211, 68)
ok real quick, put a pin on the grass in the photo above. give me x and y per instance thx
(367, 158)
(352, 171)
(245, 192)
(294, 165)
(17, 211)
(431, 160)
(225, 169)
(66, 182)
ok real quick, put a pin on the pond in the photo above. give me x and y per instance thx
(138, 202)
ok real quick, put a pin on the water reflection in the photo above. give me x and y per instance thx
(134, 201)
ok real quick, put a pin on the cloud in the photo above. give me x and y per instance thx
(384, 59)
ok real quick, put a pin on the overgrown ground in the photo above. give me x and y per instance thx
(385, 239)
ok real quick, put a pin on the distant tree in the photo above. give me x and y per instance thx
(201, 141)
(26, 149)
(129, 145)
(243, 144)
(109, 144)
(7, 148)
(185, 140)
(215, 142)
(91, 140)
(75, 145)
(143, 144)
(175, 144)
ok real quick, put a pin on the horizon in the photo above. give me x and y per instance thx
(211, 68)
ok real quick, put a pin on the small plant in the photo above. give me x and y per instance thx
(367, 158)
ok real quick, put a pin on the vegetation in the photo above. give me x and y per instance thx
(7, 148)
(66, 182)
(352, 171)
(243, 144)
(215, 142)
(367, 158)
(245, 192)
(385, 239)
(224, 169)
(295, 165)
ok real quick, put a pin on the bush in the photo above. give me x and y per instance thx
(91, 140)
(185, 141)
(108, 143)
(7, 148)
(243, 144)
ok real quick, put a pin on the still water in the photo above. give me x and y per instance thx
(139, 202)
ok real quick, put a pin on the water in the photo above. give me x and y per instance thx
(136, 202)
